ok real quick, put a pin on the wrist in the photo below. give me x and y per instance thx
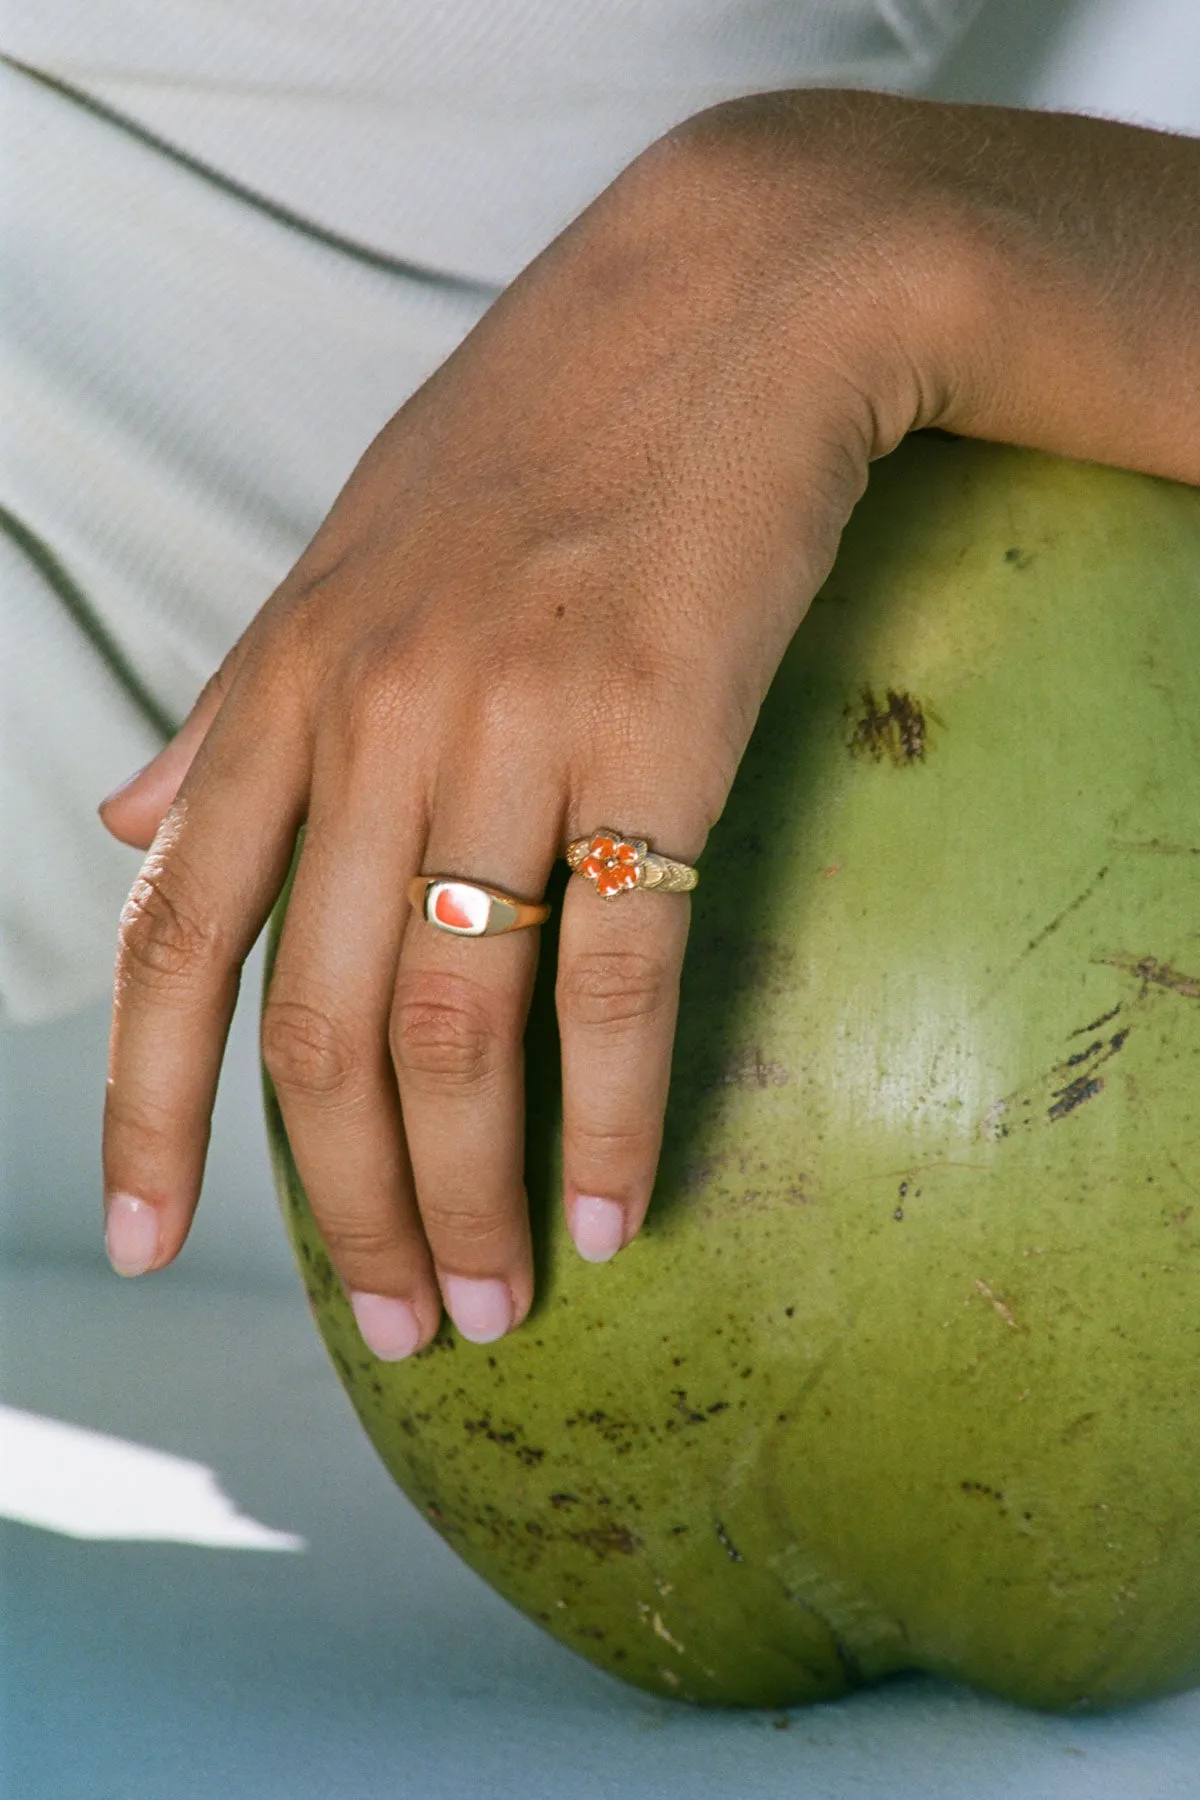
(863, 273)
(1021, 276)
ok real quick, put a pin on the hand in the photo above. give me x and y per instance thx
(550, 597)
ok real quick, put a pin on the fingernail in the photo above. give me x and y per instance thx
(389, 1328)
(482, 1310)
(130, 1234)
(598, 1227)
(127, 783)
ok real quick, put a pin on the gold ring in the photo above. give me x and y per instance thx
(469, 909)
(618, 864)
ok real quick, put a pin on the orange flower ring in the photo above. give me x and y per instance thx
(614, 864)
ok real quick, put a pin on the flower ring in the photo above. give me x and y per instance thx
(618, 864)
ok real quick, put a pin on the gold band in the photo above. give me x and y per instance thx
(469, 909)
(618, 864)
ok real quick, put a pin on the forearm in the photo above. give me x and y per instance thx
(1038, 273)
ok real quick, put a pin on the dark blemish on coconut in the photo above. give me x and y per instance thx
(726, 1542)
(981, 1490)
(1018, 559)
(895, 729)
(605, 1539)
(686, 1410)
(1074, 1094)
(1085, 1086)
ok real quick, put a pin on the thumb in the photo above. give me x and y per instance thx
(134, 811)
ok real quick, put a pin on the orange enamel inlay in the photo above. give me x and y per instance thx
(612, 881)
(447, 909)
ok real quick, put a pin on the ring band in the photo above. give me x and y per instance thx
(469, 909)
(618, 864)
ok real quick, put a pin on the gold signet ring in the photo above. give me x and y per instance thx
(618, 864)
(468, 908)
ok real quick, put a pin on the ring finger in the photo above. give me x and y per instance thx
(619, 964)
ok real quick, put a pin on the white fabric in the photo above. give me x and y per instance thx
(188, 382)
(186, 387)
(463, 133)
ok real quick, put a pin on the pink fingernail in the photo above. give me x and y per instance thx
(482, 1310)
(598, 1227)
(127, 783)
(390, 1328)
(131, 1234)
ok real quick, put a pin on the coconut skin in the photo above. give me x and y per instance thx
(903, 1370)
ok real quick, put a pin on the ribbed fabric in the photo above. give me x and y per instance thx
(189, 377)
(459, 132)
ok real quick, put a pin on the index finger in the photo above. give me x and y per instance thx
(212, 874)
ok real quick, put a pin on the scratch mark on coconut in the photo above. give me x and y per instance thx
(848, 1662)
(1104, 1019)
(1001, 1306)
(1156, 847)
(897, 728)
(1152, 973)
(1072, 906)
(1035, 943)
(660, 1630)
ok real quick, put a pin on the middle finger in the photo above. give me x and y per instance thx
(325, 1045)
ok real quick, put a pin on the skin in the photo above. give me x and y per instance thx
(552, 596)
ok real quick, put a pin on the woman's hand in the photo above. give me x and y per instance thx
(550, 598)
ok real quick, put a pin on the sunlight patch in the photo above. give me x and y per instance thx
(86, 1484)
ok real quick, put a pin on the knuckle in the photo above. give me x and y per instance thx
(305, 1051)
(360, 1244)
(163, 937)
(612, 987)
(377, 687)
(443, 1033)
(625, 1142)
(449, 1222)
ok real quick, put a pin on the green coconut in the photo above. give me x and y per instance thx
(903, 1371)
